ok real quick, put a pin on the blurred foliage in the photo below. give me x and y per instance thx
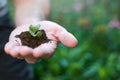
(97, 55)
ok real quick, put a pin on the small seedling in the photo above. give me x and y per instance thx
(34, 37)
(34, 31)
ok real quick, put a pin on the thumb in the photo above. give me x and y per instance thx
(67, 39)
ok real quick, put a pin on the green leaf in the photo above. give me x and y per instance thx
(38, 33)
(34, 31)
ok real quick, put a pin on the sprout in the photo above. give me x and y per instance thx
(34, 30)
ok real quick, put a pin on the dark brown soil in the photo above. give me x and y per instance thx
(33, 42)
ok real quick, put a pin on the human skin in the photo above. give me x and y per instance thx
(33, 12)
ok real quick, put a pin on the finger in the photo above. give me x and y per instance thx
(30, 59)
(67, 38)
(10, 45)
(25, 51)
(14, 52)
(45, 50)
(20, 57)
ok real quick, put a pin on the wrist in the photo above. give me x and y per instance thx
(26, 21)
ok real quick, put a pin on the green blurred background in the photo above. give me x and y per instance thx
(96, 25)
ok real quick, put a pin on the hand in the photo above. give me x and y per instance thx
(54, 32)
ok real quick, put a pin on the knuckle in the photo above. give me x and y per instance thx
(47, 56)
(31, 59)
(30, 62)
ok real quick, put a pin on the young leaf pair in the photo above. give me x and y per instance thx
(34, 31)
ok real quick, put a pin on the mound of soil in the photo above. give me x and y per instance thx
(28, 40)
